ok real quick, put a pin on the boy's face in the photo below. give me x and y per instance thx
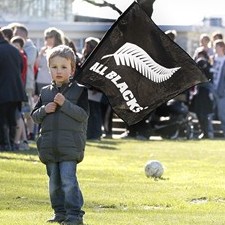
(60, 69)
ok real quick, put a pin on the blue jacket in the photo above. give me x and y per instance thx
(221, 87)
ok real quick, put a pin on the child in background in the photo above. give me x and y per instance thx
(21, 140)
(201, 97)
(62, 110)
(18, 42)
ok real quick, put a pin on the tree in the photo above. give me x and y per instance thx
(35, 10)
(104, 4)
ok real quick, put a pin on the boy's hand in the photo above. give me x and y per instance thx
(50, 107)
(59, 99)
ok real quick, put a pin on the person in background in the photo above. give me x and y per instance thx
(20, 141)
(217, 35)
(204, 44)
(94, 131)
(172, 34)
(202, 99)
(219, 80)
(8, 32)
(31, 52)
(197, 93)
(107, 117)
(18, 42)
(62, 110)
(12, 92)
(78, 56)
(52, 38)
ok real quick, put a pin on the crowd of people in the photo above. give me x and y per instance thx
(207, 100)
(24, 71)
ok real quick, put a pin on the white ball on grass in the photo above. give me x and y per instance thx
(154, 169)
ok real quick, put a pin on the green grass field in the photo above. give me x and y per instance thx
(115, 188)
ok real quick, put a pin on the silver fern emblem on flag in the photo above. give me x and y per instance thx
(133, 56)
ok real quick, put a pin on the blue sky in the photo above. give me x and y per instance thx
(166, 12)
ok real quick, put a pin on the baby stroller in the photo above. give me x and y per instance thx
(171, 120)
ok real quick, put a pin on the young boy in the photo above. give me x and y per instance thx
(62, 110)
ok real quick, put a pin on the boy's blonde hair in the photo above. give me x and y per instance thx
(62, 51)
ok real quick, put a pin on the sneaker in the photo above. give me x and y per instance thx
(141, 137)
(56, 219)
(2, 148)
(7, 148)
(16, 147)
(77, 222)
(31, 137)
(24, 146)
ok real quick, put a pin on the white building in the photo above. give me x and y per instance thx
(37, 15)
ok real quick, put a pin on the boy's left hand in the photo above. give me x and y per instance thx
(59, 99)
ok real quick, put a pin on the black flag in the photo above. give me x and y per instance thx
(138, 67)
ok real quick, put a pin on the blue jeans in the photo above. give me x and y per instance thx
(65, 195)
(220, 103)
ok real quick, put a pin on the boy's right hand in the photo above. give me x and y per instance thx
(50, 107)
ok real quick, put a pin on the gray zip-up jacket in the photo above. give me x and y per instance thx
(63, 133)
(31, 51)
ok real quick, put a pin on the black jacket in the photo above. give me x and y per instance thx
(11, 87)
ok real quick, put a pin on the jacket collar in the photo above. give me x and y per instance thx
(64, 87)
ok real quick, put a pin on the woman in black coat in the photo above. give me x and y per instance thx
(202, 102)
(11, 92)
